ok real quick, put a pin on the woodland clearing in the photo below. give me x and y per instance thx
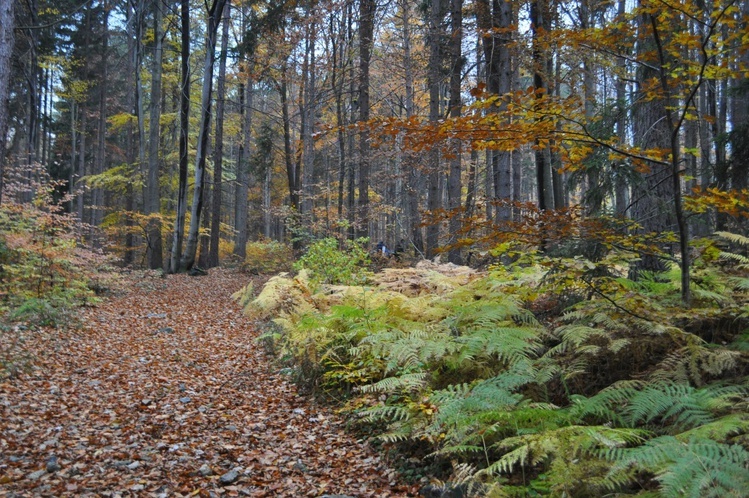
(163, 391)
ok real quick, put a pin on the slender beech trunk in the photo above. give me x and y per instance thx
(7, 40)
(243, 170)
(153, 198)
(414, 177)
(454, 185)
(366, 39)
(218, 150)
(621, 184)
(215, 12)
(184, 125)
(433, 160)
(308, 124)
(545, 186)
(100, 165)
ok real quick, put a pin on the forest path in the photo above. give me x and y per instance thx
(164, 392)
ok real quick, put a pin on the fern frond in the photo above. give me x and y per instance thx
(386, 412)
(695, 468)
(734, 238)
(405, 382)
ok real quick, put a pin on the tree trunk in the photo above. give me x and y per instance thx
(308, 125)
(100, 165)
(153, 199)
(184, 136)
(545, 185)
(218, 150)
(366, 35)
(433, 159)
(7, 39)
(454, 185)
(215, 13)
(243, 172)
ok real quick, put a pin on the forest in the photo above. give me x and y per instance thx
(507, 240)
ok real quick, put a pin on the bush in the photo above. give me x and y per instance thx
(268, 256)
(331, 265)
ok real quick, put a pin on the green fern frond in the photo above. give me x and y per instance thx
(719, 430)
(686, 406)
(695, 468)
(566, 442)
(386, 412)
(402, 383)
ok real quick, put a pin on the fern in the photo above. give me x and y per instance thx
(685, 406)
(567, 443)
(695, 468)
(406, 382)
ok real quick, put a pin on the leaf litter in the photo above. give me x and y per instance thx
(164, 392)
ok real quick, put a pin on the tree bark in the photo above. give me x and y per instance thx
(218, 150)
(7, 40)
(184, 136)
(153, 199)
(215, 13)
(454, 185)
(366, 38)
(433, 159)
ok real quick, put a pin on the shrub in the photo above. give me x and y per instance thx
(268, 256)
(329, 264)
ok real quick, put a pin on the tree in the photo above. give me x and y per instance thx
(366, 39)
(218, 150)
(214, 14)
(454, 181)
(6, 50)
(184, 124)
(152, 200)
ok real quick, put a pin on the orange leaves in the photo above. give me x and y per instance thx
(127, 406)
(731, 202)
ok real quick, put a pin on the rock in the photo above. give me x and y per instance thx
(229, 477)
(134, 465)
(205, 470)
(52, 465)
(36, 475)
(164, 330)
(146, 402)
(185, 399)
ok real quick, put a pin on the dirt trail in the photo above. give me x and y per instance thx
(164, 393)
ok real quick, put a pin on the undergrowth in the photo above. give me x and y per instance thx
(44, 274)
(545, 376)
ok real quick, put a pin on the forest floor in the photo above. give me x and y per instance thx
(163, 391)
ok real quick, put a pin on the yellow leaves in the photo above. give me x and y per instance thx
(734, 203)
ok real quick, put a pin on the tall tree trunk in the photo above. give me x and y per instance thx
(100, 165)
(153, 198)
(243, 170)
(545, 186)
(433, 161)
(654, 193)
(308, 124)
(215, 12)
(218, 150)
(7, 39)
(620, 172)
(454, 185)
(184, 136)
(292, 173)
(366, 38)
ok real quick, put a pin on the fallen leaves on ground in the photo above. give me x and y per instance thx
(163, 392)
